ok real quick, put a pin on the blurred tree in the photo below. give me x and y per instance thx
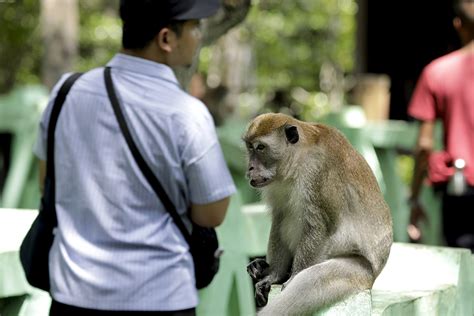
(100, 33)
(301, 52)
(59, 38)
(20, 44)
(231, 13)
(293, 50)
(298, 37)
(22, 48)
(304, 47)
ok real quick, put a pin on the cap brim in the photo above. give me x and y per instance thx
(201, 9)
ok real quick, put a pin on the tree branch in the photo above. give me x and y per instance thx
(231, 13)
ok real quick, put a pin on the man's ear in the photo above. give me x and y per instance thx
(457, 23)
(166, 39)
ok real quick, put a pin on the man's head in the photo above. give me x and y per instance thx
(166, 27)
(464, 18)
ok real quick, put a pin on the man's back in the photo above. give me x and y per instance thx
(115, 237)
(445, 91)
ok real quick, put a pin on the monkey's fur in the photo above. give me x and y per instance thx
(331, 228)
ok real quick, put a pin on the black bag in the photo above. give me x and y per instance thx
(206, 254)
(34, 249)
(203, 242)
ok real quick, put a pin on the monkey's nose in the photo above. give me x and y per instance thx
(251, 168)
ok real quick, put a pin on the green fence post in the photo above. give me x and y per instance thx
(231, 292)
(20, 112)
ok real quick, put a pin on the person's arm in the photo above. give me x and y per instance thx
(210, 215)
(424, 147)
(42, 175)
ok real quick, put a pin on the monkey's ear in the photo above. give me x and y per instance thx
(291, 133)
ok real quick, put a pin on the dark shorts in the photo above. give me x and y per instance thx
(458, 227)
(59, 309)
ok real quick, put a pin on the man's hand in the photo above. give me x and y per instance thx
(417, 215)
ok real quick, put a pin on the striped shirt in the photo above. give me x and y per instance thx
(116, 247)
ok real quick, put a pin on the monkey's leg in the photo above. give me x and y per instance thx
(321, 285)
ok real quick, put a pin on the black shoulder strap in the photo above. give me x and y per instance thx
(151, 178)
(53, 120)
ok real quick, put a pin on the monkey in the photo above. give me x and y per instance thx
(331, 229)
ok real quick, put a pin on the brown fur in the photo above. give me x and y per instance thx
(331, 228)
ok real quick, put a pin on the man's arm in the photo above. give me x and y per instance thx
(424, 147)
(210, 215)
(42, 174)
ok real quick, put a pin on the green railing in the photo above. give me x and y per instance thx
(20, 112)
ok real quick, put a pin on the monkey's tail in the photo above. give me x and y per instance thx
(321, 285)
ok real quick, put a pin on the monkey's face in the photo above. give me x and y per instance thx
(262, 163)
(267, 151)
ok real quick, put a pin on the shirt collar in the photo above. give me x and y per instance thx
(143, 66)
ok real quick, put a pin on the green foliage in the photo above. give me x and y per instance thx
(292, 39)
(302, 49)
(20, 46)
(100, 33)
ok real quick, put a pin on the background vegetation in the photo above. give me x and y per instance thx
(291, 42)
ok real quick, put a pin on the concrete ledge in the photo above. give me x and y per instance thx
(425, 280)
(417, 280)
(17, 297)
(356, 305)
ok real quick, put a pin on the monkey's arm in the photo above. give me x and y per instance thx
(279, 264)
(305, 256)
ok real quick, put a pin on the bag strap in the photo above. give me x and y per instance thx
(53, 120)
(151, 178)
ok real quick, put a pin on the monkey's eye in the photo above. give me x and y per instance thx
(260, 147)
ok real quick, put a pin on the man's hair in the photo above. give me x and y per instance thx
(142, 21)
(465, 13)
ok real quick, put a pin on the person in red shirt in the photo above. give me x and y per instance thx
(445, 91)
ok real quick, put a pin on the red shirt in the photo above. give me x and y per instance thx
(445, 91)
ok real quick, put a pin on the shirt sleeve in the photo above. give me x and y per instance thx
(423, 102)
(207, 174)
(39, 148)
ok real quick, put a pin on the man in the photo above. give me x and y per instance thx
(116, 249)
(445, 91)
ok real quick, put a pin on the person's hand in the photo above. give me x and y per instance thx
(417, 215)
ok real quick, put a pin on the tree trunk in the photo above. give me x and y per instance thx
(60, 25)
(232, 12)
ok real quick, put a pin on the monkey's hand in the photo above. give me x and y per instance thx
(262, 289)
(258, 269)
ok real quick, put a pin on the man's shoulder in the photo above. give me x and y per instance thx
(189, 108)
(445, 62)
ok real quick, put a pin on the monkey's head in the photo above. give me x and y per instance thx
(270, 139)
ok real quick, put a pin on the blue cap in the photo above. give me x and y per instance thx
(169, 10)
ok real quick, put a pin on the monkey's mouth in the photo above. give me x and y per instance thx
(260, 182)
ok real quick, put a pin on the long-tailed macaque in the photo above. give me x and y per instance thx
(331, 229)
